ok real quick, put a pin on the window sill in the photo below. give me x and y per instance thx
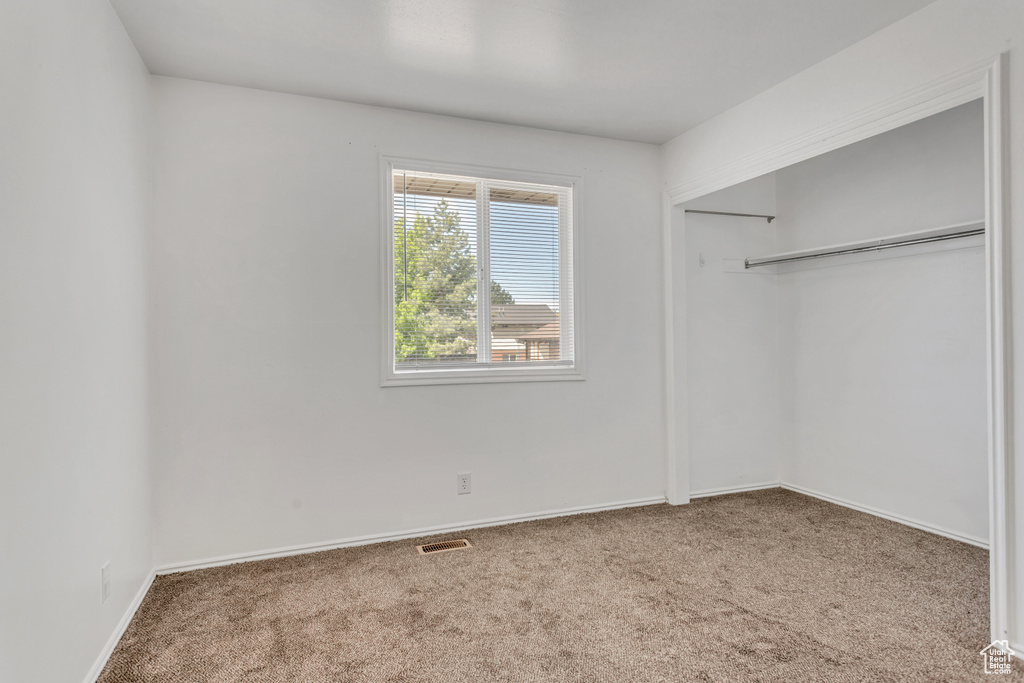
(486, 375)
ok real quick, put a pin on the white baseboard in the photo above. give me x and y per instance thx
(735, 489)
(122, 626)
(956, 536)
(398, 535)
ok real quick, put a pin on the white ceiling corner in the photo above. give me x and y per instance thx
(644, 70)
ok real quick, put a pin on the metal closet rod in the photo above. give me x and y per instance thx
(729, 213)
(753, 263)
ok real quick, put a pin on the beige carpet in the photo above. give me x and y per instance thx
(762, 586)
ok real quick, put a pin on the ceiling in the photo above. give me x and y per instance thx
(644, 70)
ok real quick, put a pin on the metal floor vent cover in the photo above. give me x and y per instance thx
(443, 546)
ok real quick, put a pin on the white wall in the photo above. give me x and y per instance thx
(271, 427)
(883, 360)
(732, 382)
(941, 39)
(74, 180)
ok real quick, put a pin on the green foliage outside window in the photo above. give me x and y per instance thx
(435, 288)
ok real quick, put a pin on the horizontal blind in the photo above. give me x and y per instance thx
(435, 270)
(526, 269)
(453, 234)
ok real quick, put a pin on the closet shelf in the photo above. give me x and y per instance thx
(906, 239)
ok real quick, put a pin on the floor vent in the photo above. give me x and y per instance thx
(443, 546)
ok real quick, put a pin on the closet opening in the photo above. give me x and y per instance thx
(853, 348)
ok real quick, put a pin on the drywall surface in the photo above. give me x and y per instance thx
(883, 360)
(271, 428)
(732, 351)
(74, 488)
(943, 38)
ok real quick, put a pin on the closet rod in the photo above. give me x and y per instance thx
(753, 263)
(729, 213)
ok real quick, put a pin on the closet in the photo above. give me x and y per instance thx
(835, 332)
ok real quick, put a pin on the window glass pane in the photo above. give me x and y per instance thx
(524, 271)
(482, 275)
(435, 226)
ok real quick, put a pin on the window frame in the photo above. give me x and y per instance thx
(481, 372)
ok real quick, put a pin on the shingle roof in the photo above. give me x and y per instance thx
(549, 331)
(523, 314)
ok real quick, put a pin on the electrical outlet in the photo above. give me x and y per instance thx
(464, 483)
(104, 582)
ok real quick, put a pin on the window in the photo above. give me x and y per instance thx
(480, 276)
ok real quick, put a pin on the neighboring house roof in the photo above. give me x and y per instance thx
(523, 314)
(545, 333)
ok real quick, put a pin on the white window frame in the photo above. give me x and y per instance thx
(481, 372)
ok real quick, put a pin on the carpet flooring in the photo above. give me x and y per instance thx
(763, 586)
